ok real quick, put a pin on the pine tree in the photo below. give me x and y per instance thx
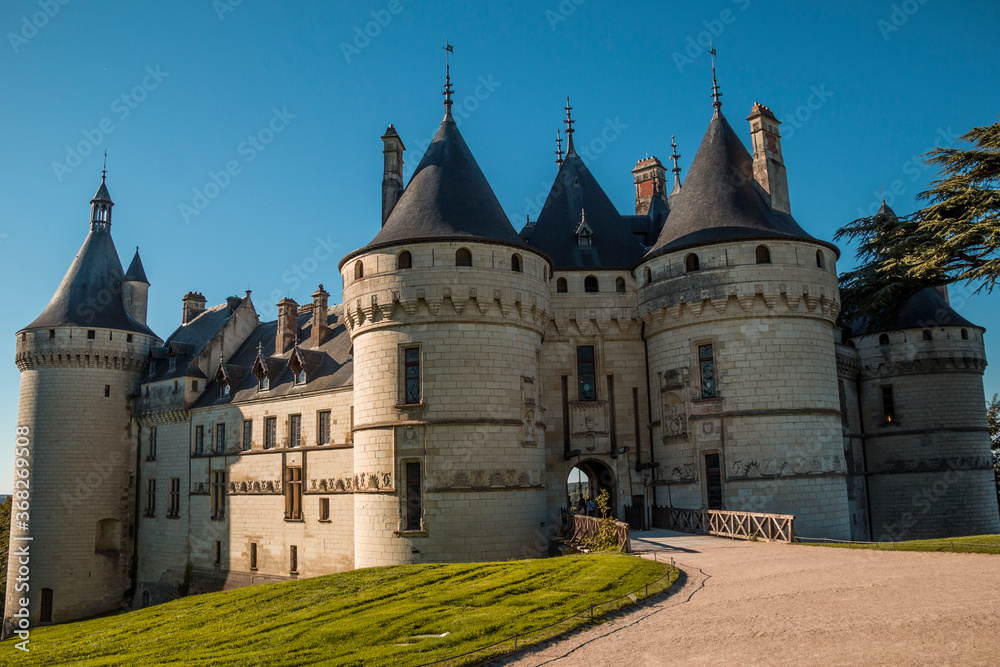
(954, 238)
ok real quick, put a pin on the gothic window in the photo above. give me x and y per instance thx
(270, 432)
(463, 257)
(174, 507)
(293, 494)
(706, 363)
(763, 255)
(264, 384)
(888, 406)
(359, 270)
(590, 284)
(585, 371)
(411, 375)
(413, 496)
(515, 263)
(199, 439)
(247, 434)
(883, 339)
(323, 428)
(561, 285)
(928, 335)
(225, 389)
(294, 430)
(404, 260)
(220, 438)
(620, 285)
(691, 263)
(150, 497)
(218, 494)
(300, 377)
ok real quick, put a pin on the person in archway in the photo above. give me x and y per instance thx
(591, 506)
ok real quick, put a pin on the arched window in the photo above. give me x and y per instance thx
(965, 334)
(691, 263)
(590, 284)
(515, 263)
(619, 284)
(463, 257)
(404, 260)
(647, 276)
(883, 339)
(561, 285)
(928, 335)
(851, 344)
(819, 259)
(763, 255)
(359, 270)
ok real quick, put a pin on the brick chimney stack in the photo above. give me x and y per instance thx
(650, 177)
(194, 305)
(287, 334)
(392, 179)
(319, 327)
(768, 165)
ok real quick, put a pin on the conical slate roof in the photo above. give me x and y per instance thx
(102, 193)
(135, 271)
(90, 292)
(448, 198)
(720, 202)
(574, 193)
(925, 309)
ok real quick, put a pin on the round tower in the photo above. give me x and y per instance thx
(80, 364)
(923, 414)
(446, 308)
(738, 305)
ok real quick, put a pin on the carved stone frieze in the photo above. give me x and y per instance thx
(791, 466)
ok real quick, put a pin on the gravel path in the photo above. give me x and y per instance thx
(777, 604)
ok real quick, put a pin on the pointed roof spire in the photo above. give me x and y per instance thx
(569, 129)
(104, 172)
(448, 49)
(677, 170)
(715, 84)
(559, 150)
(135, 271)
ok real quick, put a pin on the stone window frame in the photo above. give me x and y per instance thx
(562, 285)
(403, 400)
(320, 428)
(890, 415)
(359, 270)
(253, 556)
(199, 439)
(703, 469)
(270, 432)
(591, 284)
(404, 260)
(150, 510)
(220, 438)
(293, 559)
(579, 377)
(324, 510)
(217, 488)
(463, 257)
(696, 346)
(762, 254)
(294, 430)
(151, 443)
(647, 275)
(620, 286)
(247, 443)
(293, 494)
(516, 263)
(404, 499)
(174, 503)
(691, 263)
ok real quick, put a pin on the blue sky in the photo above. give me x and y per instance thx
(243, 137)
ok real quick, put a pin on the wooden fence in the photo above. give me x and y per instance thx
(741, 525)
(580, 527)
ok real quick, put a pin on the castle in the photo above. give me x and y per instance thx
(688, 355)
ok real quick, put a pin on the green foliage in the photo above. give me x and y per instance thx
(607, 537)
(980, 544)
(954, 238)
(4, 548)
(993, 421)
(374, 616)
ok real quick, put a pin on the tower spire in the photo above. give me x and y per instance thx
(677, 170)
(104, 171)
(569, 128)
(448, 49)
(559, 150)
(715, 84)
(100, 207)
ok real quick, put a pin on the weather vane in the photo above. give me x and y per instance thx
(448, 49)
(104, 172)
(715, 84)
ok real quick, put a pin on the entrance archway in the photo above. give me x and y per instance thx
(586, 480)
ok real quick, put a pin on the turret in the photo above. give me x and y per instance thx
(135, 290)
(392, 177)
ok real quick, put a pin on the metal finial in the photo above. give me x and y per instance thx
(569, 128)
(715, 84)
(559, 150)
(104, 172)
(674, 155)
(448, 49)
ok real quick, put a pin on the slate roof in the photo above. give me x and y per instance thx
(574, 192)
(186, 344)
(102, 193)
(927, 308)
(448, 198)
(720, 202)
(82, 298)
(329, 366)
(135, 271)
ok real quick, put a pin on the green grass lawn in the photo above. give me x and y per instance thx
(363, 617)
(980, 544)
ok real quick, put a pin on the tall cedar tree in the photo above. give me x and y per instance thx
(955, 238)
(993, 420)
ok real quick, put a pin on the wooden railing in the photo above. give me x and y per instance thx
(741, 525)
(580, 527)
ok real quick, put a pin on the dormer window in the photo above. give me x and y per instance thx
(584, 233)
(300, 377)
(225, 389)
(263, 383)
(173, 364)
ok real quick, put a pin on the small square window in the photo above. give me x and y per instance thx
(194, 385)
(91, 334)
(128, 338)
(52, 333)
(107, 391)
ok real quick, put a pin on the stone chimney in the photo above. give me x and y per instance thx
(392, 179)
(650, 177)
(232, 303)
(288, 312)
(194, 305)
(768, 165)
(319, 327)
